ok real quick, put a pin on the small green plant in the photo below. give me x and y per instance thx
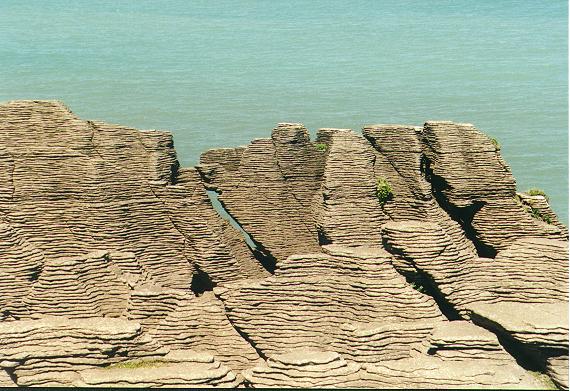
(539, 216)
(496, 143)
(383, 191)
(420, 288)
(537, 192)
(321, 147)
(137, 364)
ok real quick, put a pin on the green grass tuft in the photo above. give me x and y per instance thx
(321, 147)
(539, 216)
(420, 288)
(537, 192)
(137, 364)
(496, 143)
(383, 191)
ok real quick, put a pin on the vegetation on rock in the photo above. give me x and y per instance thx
(321, 147)
(537, 192)
(383, 191)
(137, 364)
(538, 215)
(496, 143)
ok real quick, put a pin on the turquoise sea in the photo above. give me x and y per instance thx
(220, 73)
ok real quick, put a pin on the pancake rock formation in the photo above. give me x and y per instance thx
(402, 257)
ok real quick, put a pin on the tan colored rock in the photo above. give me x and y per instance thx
(100, 223)
(539, 206)
(350, 214)
(269, 187)
(176, 369)
(6, 380)
(310, 297)
(434, 372)
(474, 183)
(200, 323)
(78, 287)
(304, 369)
(50, 351)
(557, 369)
(400, 160)
(75, 186)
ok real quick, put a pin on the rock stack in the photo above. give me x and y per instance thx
(400, 258)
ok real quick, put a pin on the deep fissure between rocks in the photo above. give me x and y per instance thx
(265, 258)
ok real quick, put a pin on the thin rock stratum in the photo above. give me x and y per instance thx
(116, 270)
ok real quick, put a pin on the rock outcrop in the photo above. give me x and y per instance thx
(400, 258)
(177, 369)
(51, 351)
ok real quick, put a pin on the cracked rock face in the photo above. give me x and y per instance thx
(116, 270)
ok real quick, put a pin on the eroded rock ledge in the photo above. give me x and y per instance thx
(115, 269)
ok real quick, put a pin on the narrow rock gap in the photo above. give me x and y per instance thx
(463, 216)
(265, 258)
(246, 338)
(423, 283)
(11, 373)
(528, 357)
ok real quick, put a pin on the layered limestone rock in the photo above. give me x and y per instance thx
(473, 183)
(557, 369)
(432, 372)
(51, 351)
(176, 369)
(400, 160)
(111, 188)
(305, 369)
(200, 323)
(268, 187)
(311, 297)
(78, 287)
(322, 369)
(522, 294)
(538, 207)
(400, 258)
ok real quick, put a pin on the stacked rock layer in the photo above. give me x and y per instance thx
(402, 257)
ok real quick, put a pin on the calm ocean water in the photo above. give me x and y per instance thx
(220, 73)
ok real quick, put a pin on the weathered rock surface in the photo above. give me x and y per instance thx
(109, 253)
(201, 324)
(176, 369)
(50, 351)
(107, 187)
(523, 292)
(269, 188)
(321, 369)
(305, 369)
(311, 297)
(557, 369)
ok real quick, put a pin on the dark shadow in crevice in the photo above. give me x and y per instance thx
(265, 258)
(462, 215)
(527, 356)
(423, 282)
(247, 339)
(323, 238)
(201, 282)
(11, 373)
(174, 172)
(35, 274)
